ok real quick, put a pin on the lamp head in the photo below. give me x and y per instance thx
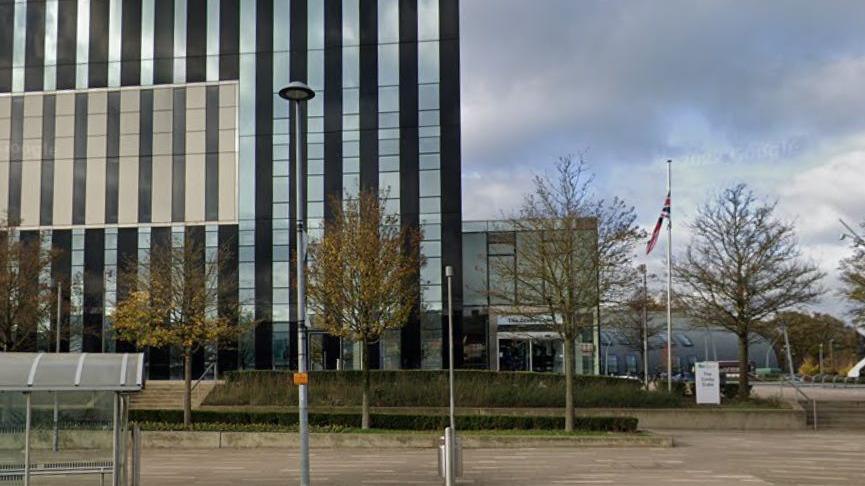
(297, 91)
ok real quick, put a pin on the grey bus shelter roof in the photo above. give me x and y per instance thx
(48, 372)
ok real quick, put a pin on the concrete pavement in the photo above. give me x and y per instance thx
(700, 458)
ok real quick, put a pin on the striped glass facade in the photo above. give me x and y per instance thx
(126, 124)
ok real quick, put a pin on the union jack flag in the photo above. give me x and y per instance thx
(665, 213)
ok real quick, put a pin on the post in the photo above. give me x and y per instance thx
(303, 419)
(821, 358)
(450, 434)
(645, 329)
(789, 353)
(669, 280)
(136, 456)
(56, 436)
(27, 424)
(115, 443)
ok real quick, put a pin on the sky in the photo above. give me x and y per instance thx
(767, 93)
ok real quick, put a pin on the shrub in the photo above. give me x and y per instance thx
(417, 388)
(237, 418)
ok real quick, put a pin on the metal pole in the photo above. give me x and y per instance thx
(115, 443)
(669, 280)
(301, 300)
(789, 354)
(56, 437)
(450, 436)
(28, 419)
(821, 358)
(645, 329)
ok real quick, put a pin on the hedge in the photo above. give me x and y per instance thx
(390, 421)
(423, 388)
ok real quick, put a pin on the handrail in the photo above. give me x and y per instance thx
(200, 378)
(806, 397)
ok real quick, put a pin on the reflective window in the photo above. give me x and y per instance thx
(315, 71)
(430, 205)
(430, 144)
(388, 147)
(430, 161)
(428, 97)
(389, 163)
(428, 62)
(147, 23)
(430, 183)
(428, 19)
(213, 37)
(388, 183)
(351, 101)
(388, 120)
(82, 50)
(388, 64)
(428, 118)
(350, 67)
(388, 21)
(388, 98)
(431, 248)
(315, 25)
(180, 42)
(474, 268)
(350, 23)
(316, 188)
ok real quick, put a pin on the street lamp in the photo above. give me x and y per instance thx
(298, 92)
(851, 233)
(450, 433)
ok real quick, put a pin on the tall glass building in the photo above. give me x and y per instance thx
(130, 123)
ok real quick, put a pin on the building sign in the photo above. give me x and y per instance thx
(538, 320)
(708, 382)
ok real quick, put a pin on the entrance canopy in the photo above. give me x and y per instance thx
(58, 372)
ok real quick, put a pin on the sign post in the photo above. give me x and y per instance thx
(708, 382)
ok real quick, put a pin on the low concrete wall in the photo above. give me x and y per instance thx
(252, 440)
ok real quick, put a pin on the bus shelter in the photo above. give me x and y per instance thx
(64, 416)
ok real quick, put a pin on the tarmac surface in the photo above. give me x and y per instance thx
(699, 458)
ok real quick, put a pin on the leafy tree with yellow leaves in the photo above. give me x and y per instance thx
(175, 303)
(364, 275)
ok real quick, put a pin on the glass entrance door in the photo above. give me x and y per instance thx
(513, 355)
(544, 355)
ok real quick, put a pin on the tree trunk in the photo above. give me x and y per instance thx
(570, 364)
(744, 389)
(187, 389)
(364, 366)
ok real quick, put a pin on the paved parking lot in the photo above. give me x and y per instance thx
(704, 458)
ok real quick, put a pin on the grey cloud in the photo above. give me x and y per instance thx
(616, 76)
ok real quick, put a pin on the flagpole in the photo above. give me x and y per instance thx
(669, 280)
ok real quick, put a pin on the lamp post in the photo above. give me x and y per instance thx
(450, 434)
(821, 358)
(642, 269)
(851, 233)
(298, 92)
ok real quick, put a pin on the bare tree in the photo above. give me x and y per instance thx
(364, 275)
(25, 298)
(743, 266)
(853, 279)
(572, 253)
(175, 303)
